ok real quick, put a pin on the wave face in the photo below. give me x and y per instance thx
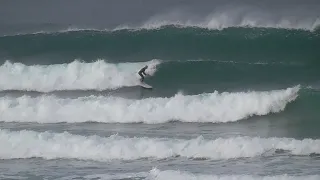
(65, 145)
(210, 107)
(101, 75)
(98, 75)
(173, 43)
(214, 14)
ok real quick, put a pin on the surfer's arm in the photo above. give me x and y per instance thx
(144, 73)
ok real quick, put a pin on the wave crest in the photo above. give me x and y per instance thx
(211, 107)
(98, 75)
(47, 145)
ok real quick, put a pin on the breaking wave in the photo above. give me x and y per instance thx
(211, 107)
(77, 75)
(47, 145)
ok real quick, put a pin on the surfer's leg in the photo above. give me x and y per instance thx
(142, 78)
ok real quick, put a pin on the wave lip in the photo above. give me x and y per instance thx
(234, 16)
(214, 21)
(47, 145)
(98, 75)
(212, 107)
(221, 22)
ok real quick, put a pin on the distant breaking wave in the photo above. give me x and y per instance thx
(227, 16)
(47, 145)
(221, 22)
(169, 42)
(215, 21)
(211, 107)
(97, 75)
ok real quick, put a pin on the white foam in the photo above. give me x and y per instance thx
(156, 174)
(98, 75)
(28, 144)
(211, 107)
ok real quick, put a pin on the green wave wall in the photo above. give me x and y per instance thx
(170, 43)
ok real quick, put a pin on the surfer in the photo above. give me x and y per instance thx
(142, 72)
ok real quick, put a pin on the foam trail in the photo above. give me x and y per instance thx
(98, 75)
(47, 145)
(212, 107)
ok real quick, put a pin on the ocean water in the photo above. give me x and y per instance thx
(236, 90)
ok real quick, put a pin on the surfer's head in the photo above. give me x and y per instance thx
(146, 66)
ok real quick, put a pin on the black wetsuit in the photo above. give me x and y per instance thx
(141, 73)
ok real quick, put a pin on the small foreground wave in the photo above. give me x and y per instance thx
(156, 174)
(98, 75)
(29, 144)
(210, 107)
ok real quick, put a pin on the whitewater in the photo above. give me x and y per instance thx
(157, 174)
(29, 144)
(208, 107)
(77, 75)
(226, 17)
(222, 20)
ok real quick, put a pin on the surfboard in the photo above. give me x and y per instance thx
(144, 85)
